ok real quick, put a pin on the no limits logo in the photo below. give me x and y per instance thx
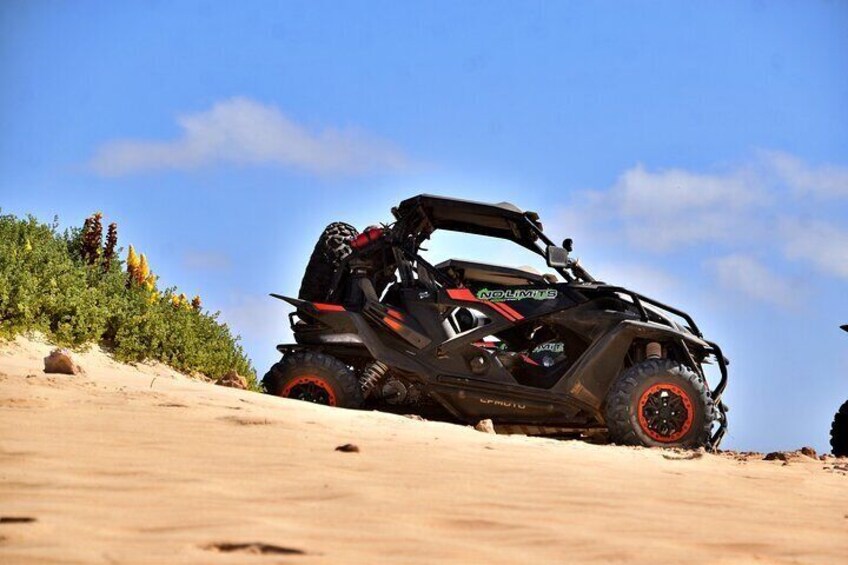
(512, 295)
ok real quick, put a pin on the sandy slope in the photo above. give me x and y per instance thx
(143, 465)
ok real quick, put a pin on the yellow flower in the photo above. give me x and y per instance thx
(143, 268)
(132, 260)
(133, 266)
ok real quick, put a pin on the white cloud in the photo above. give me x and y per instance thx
(826, 181)
(760, 205)
(751, 278)
(775, 206)
(678, 191)
(823, 244)
(206, 260)
(245, 132)
(675, 208)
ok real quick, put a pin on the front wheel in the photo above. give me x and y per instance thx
(660, 403)
(314, 377)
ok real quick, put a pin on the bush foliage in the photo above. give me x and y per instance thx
(76, 290)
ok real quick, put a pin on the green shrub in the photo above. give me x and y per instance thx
(56, 284)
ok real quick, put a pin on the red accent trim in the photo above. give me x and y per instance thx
(462, 294)
(311, 379)
(395, 325)
(328, 307)
(394, 313)
(502, 311)
(690, 412)
(366, 238)
(515, 313)
(466, 295)
(528, 359)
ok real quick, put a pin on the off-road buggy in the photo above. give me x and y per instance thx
(376, 325)
(839, 428)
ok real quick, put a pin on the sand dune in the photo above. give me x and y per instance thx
(143, 465)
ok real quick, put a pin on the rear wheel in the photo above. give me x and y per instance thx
(839, 432)
(660, 403)
(314, 377)
(332, 248)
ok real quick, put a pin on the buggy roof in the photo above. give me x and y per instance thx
(424, 214)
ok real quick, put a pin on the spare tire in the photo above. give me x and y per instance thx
(332, 248)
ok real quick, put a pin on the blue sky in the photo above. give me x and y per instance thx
(697, 152)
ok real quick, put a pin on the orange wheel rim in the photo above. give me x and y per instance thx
(665, 412)
(310, 388)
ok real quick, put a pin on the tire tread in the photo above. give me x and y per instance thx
(620, 401)
(324, 365)
(332, 248)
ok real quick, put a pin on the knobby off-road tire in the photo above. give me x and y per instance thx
(839, 432)
(314, 377)
(332, 248)
(660, 403)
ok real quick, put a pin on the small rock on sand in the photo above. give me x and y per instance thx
(348, 448)
(787, 456)
(485, 426)
(681, 455)
(233, 380)
(60, 361)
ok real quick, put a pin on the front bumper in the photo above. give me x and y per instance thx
(716, 393)
(695, 334)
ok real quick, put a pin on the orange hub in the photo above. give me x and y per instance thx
(665, 412)
(310, 388)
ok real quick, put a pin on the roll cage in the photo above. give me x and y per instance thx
(418, 217)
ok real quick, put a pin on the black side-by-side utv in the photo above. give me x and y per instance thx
(561, 353)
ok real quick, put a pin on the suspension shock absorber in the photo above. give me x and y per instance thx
(371, 376)
(653, 350)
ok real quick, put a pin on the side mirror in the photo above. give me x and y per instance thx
(556, 256)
